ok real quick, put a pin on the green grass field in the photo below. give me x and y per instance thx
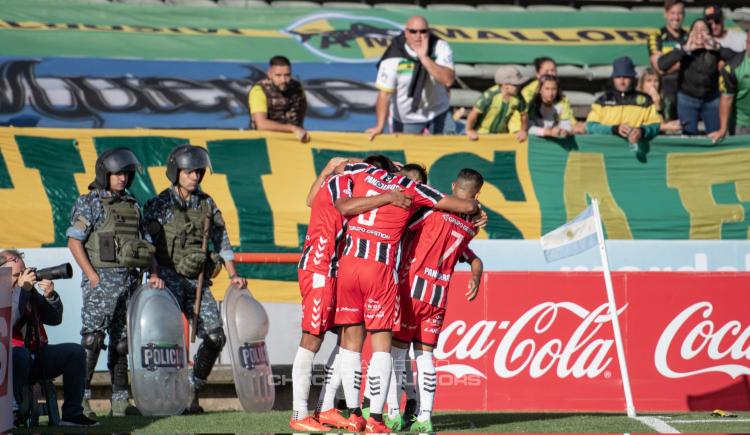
(469, 422)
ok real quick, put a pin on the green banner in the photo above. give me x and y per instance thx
(68, 28)
(679, 189)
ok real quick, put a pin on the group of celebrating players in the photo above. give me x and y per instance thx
(379, 252)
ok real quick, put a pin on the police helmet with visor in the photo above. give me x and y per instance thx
(188, 158)
(112, 161)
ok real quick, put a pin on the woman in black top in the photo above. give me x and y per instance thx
(698, 95)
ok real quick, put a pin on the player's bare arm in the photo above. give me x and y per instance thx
(457, 205)
(341, 167)
(328, 170)
(358, 205)
(477, 268)
(480, 219)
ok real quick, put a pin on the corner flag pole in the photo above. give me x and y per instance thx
(613, 312)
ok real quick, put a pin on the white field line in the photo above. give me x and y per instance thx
(657, 424)
(717, 420)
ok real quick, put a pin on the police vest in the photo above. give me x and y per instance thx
(117, 242)
(178, 244)
(286, 107)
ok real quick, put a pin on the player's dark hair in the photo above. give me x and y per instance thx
(669, 3)
(471, 175)
(416, 167)
(539, 61)
(381, 162)
(279, 61)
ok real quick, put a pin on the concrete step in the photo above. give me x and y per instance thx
(220, 394)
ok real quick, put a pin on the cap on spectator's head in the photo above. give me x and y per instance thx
(509, 75)
(713, 13)
(623, 67)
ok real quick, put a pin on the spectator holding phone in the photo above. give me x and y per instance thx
(698, 94)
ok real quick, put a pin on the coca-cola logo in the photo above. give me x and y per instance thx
(702, 337)
(579, 355)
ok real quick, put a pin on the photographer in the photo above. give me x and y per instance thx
(33, 357)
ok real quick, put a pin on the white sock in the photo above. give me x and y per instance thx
(379, 378)
(397, 378)
(366, 394)
(351, 375)
(330, 387)
(409, 387)
(340, 390)
(301, 374)
(427, 379)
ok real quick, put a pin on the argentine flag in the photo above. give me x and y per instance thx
(572, 238)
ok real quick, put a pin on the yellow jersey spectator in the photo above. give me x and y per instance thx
(496, 107)
(623, 111)
(278, 103)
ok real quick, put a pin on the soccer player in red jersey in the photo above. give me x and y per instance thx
(417, 173)
(367, 293)
(439, 240)
(317, 270)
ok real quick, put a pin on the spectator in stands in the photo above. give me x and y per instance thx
(731, 39)
(545, 66)
(623, 111)
(33, 357)
(650, 84)
(278, 103)
(493, 111)
(662, 42)
(414, 75)
(548, 115)
(736, 92)
(698, 95)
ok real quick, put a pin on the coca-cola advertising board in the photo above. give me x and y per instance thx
(544, 340)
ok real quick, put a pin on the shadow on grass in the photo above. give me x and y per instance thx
(106, 425)
(478, 420)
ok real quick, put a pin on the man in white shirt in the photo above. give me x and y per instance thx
(414, 75)
(731, 39)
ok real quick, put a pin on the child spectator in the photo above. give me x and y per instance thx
(546, 66)
(650, 84)
(494, 109)
(548, 115)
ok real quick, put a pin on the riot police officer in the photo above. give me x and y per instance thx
(106, 239)
(175, 224)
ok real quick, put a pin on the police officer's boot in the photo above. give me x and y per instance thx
(93, 343)
(118, 367)
(205, 358)
(196, 385)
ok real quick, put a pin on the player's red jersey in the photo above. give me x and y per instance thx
(375, 235)
(325, 230)
(440, 240)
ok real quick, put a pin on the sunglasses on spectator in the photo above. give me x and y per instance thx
(420, 31)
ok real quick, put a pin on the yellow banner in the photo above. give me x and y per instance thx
(31, 187)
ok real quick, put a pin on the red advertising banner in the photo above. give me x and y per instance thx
(543, 340)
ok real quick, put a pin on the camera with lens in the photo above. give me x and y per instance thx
(62, 271)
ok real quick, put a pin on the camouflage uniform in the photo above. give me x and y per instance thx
(104, 306)
(161, 209)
